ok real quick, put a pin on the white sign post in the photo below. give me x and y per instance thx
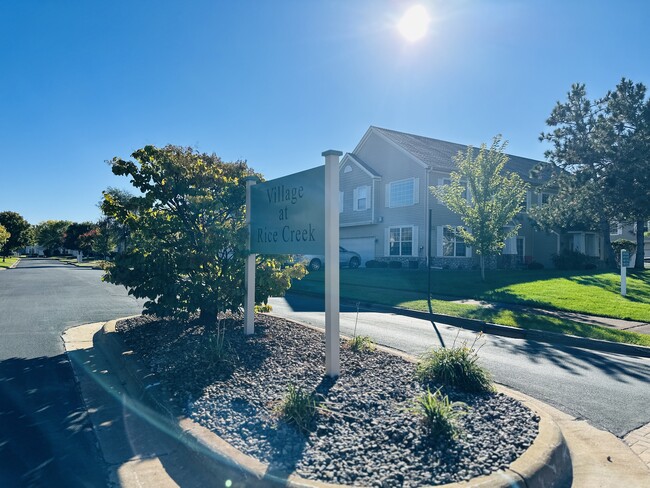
(625, 262)
(298, 214)
(249, 307)
(332, 332)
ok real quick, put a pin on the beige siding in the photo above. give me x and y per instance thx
(348, 183)
(394, 165)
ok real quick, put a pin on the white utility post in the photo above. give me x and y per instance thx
(249, 306)
(625, 262)
(332, 333)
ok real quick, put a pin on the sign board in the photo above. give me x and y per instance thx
(625, 258)
(287, 214)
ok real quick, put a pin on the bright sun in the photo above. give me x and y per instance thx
(413, 25)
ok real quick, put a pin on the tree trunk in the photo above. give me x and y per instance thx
(609, 258)
(482, 267)
(640, 251)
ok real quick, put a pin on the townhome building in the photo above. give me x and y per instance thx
(387, 212)
(628, 231)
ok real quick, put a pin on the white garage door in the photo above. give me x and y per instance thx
(365, 246)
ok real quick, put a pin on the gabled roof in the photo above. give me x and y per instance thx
(357, 160)
(438, 155)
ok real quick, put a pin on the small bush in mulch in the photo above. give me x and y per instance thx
(455, 366)
(299, 407)
(361, 344)
(364, 430)
(439, 414)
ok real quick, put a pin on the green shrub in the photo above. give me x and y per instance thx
(298, 408)
(361, 344)
(535, 265)
(455, 366)
(619, 244)
(571, 260)
(439, 414)
(395, 264)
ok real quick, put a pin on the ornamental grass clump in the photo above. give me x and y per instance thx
(298, 408)
(439, 414)
(217, 348)
(455, 366)
(361, 344)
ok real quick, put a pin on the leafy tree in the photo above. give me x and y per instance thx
(188, 239)
(494, 198)
(72, 238)
(50, 234)
(113, 230)
(571, 206)
(102, 238)
(18, 229)
(4, 237)
(628, 140)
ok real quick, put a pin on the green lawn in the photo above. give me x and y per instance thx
(8, 262)
(595, 293)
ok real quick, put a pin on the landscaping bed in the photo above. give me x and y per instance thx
(365, 431)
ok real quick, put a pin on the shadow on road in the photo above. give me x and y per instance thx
(576, 361)
(572, 359)
(44, 430)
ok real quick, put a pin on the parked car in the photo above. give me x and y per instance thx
(314, 262)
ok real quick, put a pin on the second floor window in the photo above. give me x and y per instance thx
(361, 198)
(615, 228)
(402, 193)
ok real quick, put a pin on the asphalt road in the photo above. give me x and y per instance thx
(45, 436)
(610, 391)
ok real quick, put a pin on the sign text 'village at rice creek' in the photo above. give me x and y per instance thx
(287, 214)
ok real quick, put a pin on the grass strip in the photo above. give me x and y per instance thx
(513, 318)
(8, 262)
(594, 293)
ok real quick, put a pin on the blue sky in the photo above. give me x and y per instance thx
(277, 82)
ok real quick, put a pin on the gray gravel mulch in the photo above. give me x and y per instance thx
(367, 433)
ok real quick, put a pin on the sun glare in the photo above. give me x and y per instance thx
(414, 24)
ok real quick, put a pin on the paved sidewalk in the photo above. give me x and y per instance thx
(639, 442)
(138, 450)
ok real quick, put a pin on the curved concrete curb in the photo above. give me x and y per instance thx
(505, 330)
(546, 463)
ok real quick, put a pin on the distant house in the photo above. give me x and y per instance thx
(384, 204)
(628, 231)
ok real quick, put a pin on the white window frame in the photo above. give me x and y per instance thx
(347, 169)
(521, 239)
(415, 198)
(619, 229)
(414, 241)
(441, 246)
(356, 196)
